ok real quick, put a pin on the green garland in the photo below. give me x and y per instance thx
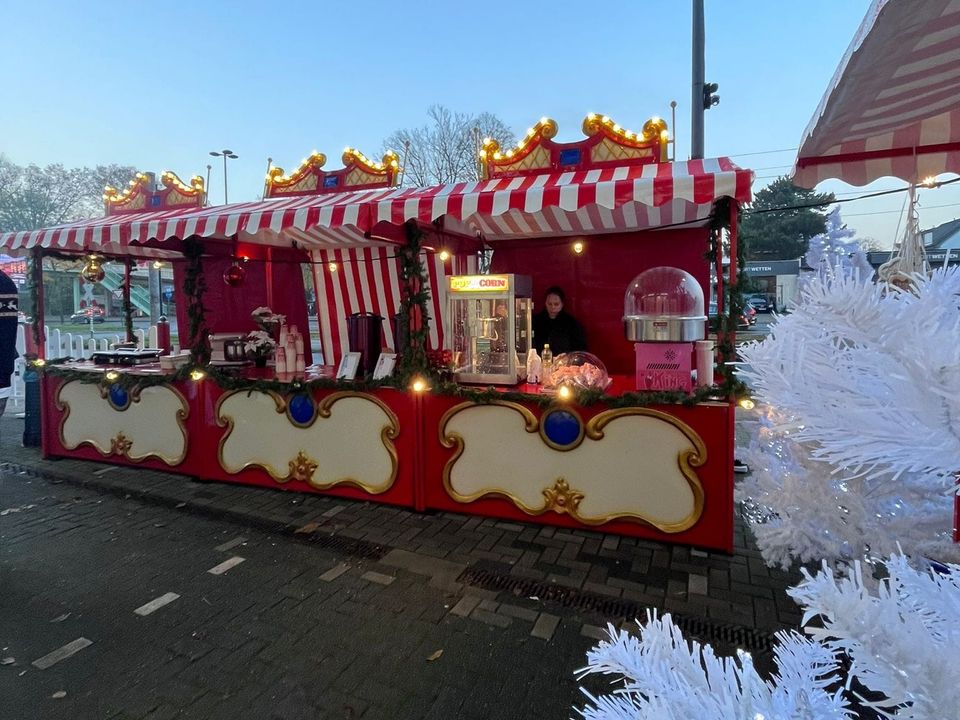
(733, 300)
(416, 294)
(194, 287)
(35, 282)
(127, 305)
(230, 380)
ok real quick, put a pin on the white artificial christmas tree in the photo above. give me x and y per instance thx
(860, 440)
(837, 249)
(902, 642)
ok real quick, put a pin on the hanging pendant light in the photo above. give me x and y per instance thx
(93, 270)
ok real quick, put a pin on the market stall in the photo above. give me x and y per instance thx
(613, 440)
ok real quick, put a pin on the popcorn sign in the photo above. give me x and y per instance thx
(479, 283)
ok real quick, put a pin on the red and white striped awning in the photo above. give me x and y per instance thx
(614, 199)
(893, 106)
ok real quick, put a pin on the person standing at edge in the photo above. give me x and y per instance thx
(555, 327)
(8, 336)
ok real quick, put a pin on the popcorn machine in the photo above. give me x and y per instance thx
(491, 317)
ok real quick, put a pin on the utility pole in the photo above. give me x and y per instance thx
(696, 98)
(702, 93)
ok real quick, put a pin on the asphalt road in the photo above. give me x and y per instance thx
(169, 615)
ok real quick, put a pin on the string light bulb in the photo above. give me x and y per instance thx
(112, 375)
(197, 375)
(564, 393)
(418, 385)
(444, 255)
(332, 267)
(157, 264)
(747, 404)
(578, 247)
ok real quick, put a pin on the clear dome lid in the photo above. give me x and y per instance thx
(664, 292)
(579, 370)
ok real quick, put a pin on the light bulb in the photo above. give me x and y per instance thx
(332, 267)
(197, 375)
(112, 375)
(444, 255)
(578, 247)
(418, 385)
(747, 404)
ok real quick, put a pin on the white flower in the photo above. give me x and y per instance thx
(259, 343)
(266, 316)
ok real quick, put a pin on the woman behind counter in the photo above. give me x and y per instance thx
(555, 327)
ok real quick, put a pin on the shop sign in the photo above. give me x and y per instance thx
(479, 283)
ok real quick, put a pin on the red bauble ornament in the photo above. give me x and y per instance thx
(234, 275)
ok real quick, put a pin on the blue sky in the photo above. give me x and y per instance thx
(159, 88)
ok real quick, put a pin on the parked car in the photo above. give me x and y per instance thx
(87, 314)
(713, 318)
(759, 303)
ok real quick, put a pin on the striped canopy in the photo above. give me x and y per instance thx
(613, 199)
(893, 105)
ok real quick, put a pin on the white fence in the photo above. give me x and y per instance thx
(79, 346)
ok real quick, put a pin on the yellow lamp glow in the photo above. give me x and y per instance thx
(418, 385)
(444, 255)
(564, 393)
(578, 247)
(197, 375)
(929, 181)
(112, 375)
(157, 264)
(39, 362)
(332, 267)
(747, 404)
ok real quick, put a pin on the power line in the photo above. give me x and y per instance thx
(762, 152)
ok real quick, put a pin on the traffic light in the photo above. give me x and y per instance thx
(709, 99)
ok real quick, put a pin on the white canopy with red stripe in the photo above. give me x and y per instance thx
(893, 106)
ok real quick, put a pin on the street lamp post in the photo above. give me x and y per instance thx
(224, 154)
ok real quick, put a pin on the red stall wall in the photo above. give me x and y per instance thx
(596, 280)
(228, 308)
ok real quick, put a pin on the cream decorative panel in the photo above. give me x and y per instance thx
(146, 423)
(346, 439)
(632, 463)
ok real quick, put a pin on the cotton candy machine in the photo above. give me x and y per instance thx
(663, 314)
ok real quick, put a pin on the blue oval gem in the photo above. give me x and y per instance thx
(561, 427)
(301, 409)
(118, 396)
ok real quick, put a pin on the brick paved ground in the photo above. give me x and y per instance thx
(336, 620)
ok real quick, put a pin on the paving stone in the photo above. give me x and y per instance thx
(518, 612)
(697, 584)
(491, 618)
(545, 626)
(378, 578)
(334, 572)
(465, 606)
(594, 632)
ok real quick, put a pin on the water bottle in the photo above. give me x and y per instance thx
(546, 364)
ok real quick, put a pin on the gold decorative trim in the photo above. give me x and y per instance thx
(134, 395)
(120, 445)
(687, 460)
(302, 468)
(562, 499)
(277, 178)
(388, 433)
(543, 435)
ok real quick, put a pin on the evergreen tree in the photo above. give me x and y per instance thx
(783, 234)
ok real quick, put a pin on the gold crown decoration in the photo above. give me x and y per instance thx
(140, 195)
(358, 172)
(606, 144)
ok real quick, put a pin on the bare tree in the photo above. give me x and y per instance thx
(445, 149)
(32, 197)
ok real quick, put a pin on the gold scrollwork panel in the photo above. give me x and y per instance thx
(349, 440)
(633, 464)
(152, 423)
